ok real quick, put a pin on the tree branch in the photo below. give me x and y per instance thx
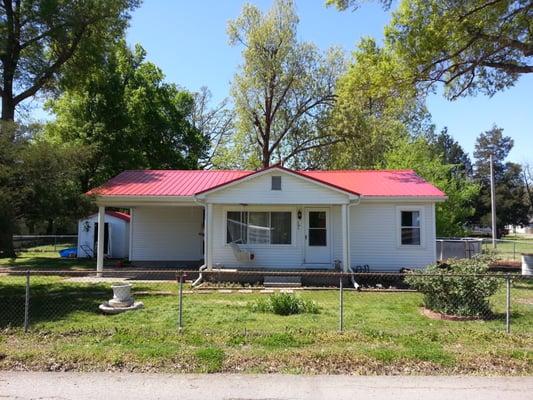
(509, 67)
(299, 150)
(52, 69)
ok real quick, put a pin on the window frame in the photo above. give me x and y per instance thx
(261, 209)
(398, 230)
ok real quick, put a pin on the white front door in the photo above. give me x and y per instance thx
(317, 237)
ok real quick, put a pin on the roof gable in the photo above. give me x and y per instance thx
(281, 170)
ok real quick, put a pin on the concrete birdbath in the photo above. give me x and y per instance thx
(122, 300)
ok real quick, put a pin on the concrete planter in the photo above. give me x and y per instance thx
(121, 296)
(122, 301)
(527, 264)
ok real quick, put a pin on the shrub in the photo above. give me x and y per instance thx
(463, 295)
(285, 304)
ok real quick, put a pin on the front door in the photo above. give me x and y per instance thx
(317, 237)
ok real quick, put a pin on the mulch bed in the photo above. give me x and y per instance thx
(505, 266)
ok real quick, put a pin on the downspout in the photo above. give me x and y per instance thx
(351, 203)
(204, 266)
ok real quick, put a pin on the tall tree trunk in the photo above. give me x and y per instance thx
(265, 157)
(8, 110)
(6, 233)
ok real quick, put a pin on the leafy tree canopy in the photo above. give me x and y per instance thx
(125, 117)
(39, 38)
(283, 89)
(453, 214)
(374, 108)
(469, 45)
(450, 150)
(511, 202)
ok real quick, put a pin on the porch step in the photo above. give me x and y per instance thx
(282, 281)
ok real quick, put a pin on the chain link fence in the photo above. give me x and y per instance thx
(43, 245)
(502, 249)
(39, 299)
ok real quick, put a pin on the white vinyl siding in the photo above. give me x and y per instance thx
(167, 234)
(295, 190)
(119, 235)
(374, 237)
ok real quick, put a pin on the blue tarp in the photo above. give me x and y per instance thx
(71, 252)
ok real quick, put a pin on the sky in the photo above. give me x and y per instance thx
(188, 41)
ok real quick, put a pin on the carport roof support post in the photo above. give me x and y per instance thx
(100, 246)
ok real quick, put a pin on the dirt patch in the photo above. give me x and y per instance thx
(528, 301)
(447, 317)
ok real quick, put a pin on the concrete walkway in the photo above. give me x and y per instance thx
(81, 386)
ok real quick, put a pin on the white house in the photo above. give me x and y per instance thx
(116, 235)
(276, 218)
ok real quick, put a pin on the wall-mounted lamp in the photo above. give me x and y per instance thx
(299, 214)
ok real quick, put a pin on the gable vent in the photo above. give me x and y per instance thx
(276, 183)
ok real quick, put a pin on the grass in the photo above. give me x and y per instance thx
(511, 248)
(46, 257)
(384, 333)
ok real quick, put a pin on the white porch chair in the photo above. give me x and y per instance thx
(241, 254)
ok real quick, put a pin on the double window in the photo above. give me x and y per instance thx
(259, 227)
(410, 228)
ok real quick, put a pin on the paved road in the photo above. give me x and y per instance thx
(81, 386)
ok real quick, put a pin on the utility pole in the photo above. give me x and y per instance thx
(493, 203)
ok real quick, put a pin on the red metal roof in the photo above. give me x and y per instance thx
(121, 215)
(381, 183)
(384, 183)
(165, 182)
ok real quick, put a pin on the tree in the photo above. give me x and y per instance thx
(355, 4)
(452, 153)
(38, 38)
(511, 203)
(215, 124)
(418, 154)
(469, 45)
(283, 87)
(47, 185)
(125, 116)
(374, 109)
(8, 161)
(527, 176)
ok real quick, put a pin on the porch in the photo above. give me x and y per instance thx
(272, 237)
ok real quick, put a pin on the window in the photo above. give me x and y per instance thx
(281, 225)
(259, 227)
(276, 183)
(410, 228)
(236, 227)
(317, 228)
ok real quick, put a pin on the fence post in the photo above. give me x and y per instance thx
(341, 306)
(508, 305)
(27, 303)
(514, 250)
(180, 317)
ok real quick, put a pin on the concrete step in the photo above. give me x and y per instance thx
(282, 281)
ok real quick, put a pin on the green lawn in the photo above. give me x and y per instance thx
(46, 257)
(385, 333)
(511, 248)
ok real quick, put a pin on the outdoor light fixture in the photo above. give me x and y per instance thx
(299, 214)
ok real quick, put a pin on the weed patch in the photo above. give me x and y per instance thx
(285, 304)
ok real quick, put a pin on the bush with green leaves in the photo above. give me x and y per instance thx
(460, 288)
(285, 304)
